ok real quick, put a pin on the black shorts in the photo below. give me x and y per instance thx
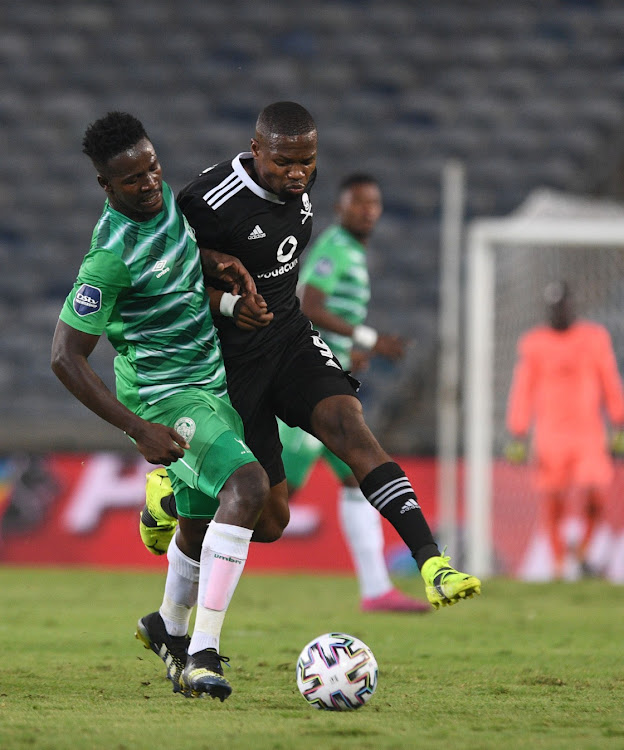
(287, 383)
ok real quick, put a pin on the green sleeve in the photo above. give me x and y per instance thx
(101, 278)
(324, 265)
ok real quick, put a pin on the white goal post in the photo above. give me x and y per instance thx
(484, 237)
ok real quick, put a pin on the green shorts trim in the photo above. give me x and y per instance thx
(214, 431)
(301, 451)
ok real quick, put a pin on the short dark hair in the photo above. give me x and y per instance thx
(285, 118)
(556, 292)
(111, 135)
(356, 178)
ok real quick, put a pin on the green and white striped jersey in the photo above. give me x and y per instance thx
(336, 264)
(142, 284)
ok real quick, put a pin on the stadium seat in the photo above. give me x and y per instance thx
(525, 94)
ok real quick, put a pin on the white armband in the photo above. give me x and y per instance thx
(227, 303)
(365, 336)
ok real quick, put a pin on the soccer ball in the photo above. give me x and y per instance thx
(337, 672)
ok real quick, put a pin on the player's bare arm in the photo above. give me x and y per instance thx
(313, 304)
(360, 361)
(389, 346)
(227, 268)
(71, 349)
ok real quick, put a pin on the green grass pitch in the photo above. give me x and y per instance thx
(522, 666)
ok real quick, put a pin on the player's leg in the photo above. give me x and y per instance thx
(311, 390)
(224, 551)
(166, 631)
(593, 472)
(361, 526)
(339, 423)
(220, 465)
(593, 512)
(159, 518)
(300, 451)
(359, 521)
(554, 507)
(555, 476)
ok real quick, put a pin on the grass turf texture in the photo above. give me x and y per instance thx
(523, 666)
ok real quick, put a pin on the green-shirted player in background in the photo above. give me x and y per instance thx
(335, 291)
(141, 282)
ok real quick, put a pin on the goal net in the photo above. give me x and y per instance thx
(510, 261)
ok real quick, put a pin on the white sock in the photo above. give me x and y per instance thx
(223, 555)
(361, 526)
(180, 591)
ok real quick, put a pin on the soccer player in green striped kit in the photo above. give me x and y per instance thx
(142, 284)
(335, 291)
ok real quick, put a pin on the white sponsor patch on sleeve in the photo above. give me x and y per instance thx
(88, 300)
(323, 267)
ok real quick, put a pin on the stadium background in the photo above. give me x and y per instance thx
(525, 94)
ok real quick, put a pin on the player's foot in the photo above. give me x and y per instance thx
(156, 525)
(445, 585)
(394, 601)
(589, 571)
(172, 649)
(203, 676)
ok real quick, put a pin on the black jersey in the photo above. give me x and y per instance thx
(231, 213)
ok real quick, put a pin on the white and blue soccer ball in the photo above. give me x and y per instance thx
(337, 672)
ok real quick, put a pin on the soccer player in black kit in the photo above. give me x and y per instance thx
(257, 207)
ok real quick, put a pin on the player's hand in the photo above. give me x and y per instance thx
(160, 444)
(617, 443)
(359, 361)
(251, 312)
(516, 451)
(392, 347)
(229, 269)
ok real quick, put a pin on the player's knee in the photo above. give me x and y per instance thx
(254, 490)
(245, 493)
(268, 529)
(275, 516)
(191, 532)
(337, 417)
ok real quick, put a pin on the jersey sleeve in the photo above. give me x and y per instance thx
(521, 394)
(204, 221)
(101, 278)
(610, 377)
(323, 267)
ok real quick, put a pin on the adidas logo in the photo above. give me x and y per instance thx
(409, 505)
(257, 233)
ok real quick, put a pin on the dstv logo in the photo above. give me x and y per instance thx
(88, 300)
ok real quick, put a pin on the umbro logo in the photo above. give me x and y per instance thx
(161, 268)
(257, 233)
(246, 449)
(409, 505)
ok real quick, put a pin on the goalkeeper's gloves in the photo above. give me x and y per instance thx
(516, 451)
(617, 443)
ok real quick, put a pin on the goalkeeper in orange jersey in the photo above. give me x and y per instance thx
(565, 375)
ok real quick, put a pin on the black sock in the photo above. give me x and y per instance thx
(168, 504)
(389, 491)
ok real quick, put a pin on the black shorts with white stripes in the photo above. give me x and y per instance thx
(287, 383)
